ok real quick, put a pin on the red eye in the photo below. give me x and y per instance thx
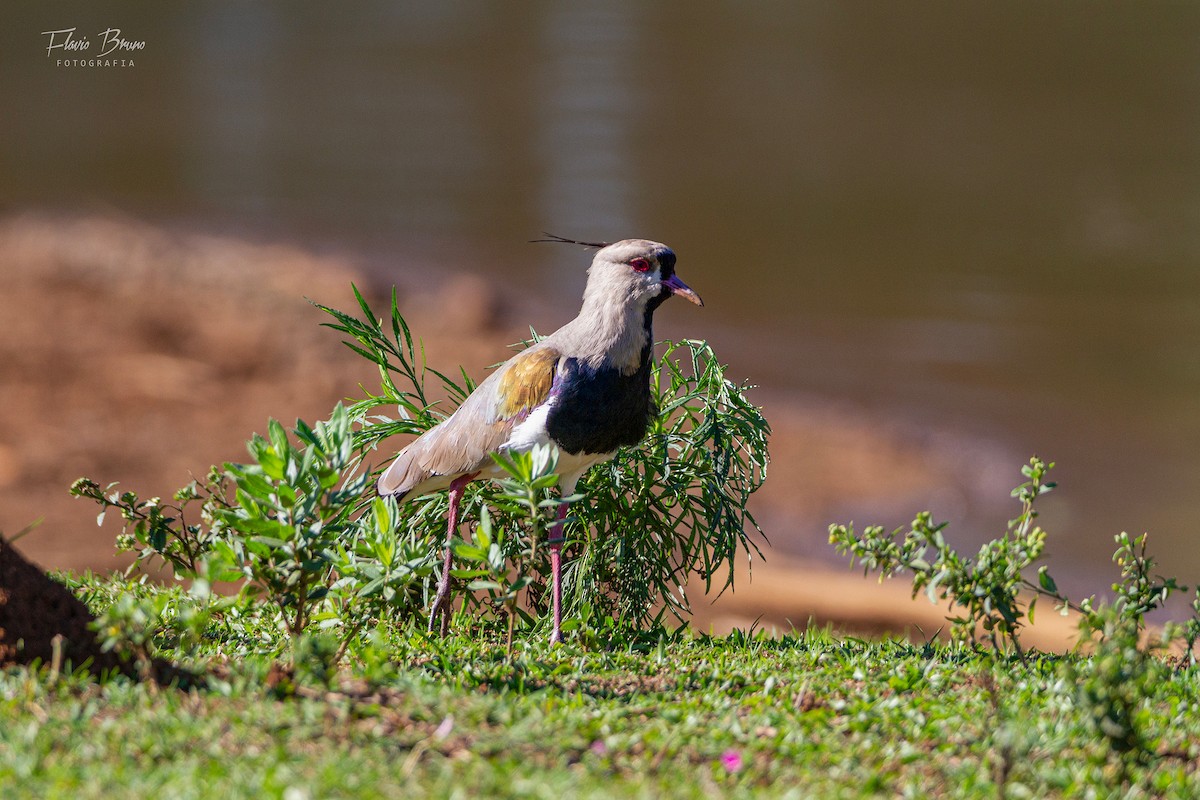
(640, 264)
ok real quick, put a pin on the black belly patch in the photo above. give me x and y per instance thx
(599, 410)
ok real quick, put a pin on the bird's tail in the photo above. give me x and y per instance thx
(397, 480)
(411, 474)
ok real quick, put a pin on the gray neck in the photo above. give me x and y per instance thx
(607, 333)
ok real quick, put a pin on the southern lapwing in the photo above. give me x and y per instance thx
(585, 387)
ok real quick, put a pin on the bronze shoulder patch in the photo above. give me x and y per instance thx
(526, 383)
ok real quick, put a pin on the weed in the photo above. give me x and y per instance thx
(137, 617)
(292, 512)
(1138, 591)
(988, 587)
(1114, 685)
(155, 530)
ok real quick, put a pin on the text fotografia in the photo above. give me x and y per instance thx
(113, 50)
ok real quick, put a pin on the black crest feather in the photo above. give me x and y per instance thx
(563, 240)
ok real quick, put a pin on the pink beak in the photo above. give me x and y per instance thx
(683, 290)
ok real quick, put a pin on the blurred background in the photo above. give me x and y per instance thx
(942, 237)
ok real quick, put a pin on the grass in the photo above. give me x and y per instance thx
(813, 715)
(386, 711)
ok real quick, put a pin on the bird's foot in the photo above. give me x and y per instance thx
(439, 621)
(439, 612)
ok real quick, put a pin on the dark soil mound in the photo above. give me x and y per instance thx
(34, 609)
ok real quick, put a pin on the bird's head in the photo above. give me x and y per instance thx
(627, 281)
(638, 270)
(632, 271)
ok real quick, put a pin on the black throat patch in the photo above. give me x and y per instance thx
(597, 410)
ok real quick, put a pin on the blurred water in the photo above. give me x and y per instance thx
(981, 216)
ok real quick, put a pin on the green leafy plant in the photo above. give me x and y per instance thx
(292, 513)
(988, 587)
(154, 530)
(1189, 631)
(1114, 685)
(139, 616)
(992, 588)
(376, 574)
(294, 531)
(671, 509)
(389, 344)
(674, 508)
(1138, 591)
(489, 556)
(504, 565)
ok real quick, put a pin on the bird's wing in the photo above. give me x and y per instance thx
(525, 383)
(461, 444)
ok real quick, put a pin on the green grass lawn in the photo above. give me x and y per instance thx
(609, 713)
(812, 715)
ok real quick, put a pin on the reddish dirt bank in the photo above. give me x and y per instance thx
(142, 354)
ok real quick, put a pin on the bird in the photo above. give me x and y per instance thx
(584, 388)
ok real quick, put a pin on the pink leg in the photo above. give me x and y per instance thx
(441, 603)
(556, 540)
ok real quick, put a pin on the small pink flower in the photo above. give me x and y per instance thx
(598, 748)
(444, 729)
(731, 760)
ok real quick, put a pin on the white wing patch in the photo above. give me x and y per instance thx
(532, 430)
